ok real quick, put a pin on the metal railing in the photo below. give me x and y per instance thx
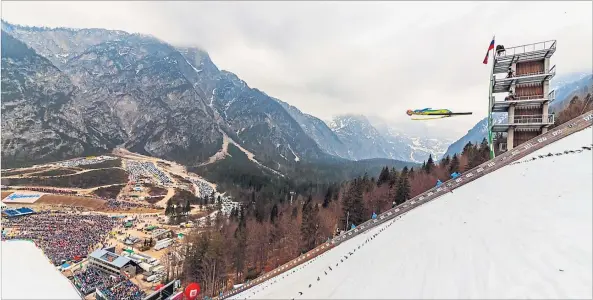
(552, 70)
(528, 48)
(528, 97)
(552, 95)
(533, 119)
(529, 74)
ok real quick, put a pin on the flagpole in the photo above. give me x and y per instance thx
(490, 103)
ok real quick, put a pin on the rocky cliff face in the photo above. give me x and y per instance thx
(254, 119)
(327, 140)
(135, 89)
(40, 118)
(362, 139)
(365, 140)
(150, 97)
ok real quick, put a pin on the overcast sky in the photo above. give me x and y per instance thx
(329, 58)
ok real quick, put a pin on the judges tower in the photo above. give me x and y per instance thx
(525, 79)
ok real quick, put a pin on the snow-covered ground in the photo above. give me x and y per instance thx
(574, 141)
(524, 231)
(28, 274)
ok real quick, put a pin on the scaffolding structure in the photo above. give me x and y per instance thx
(526, 75)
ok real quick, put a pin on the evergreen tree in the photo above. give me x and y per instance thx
(274, 214)
(353, 205)
(295, 213)
(187, 207)
(241, 243)
(358, 212)
(403, 187)
(260, 210)
(310, 225)
(169, 208)
(328, 197)
(335, 193)
(475, 157)
(467, 148)
(454, 165)
(365, 178)
(445, 162)
(484, 151)
(393, 177)
(429, 167)
(383, 176)
(423, 168)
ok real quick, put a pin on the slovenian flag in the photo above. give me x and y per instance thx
(491, 47)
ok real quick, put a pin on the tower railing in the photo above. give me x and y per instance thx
(552, 95)
(528, 48)
(528, 97)
(528, 119)
(533, 119)
(552, 70)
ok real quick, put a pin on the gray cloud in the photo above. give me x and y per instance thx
(328, 58)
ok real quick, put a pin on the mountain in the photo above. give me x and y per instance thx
(362, 140)
(580, 84)
(327, 140)
(365, 140)
(566, 86)
(40, 118)
(256, 120)
(153, 98)
(415, 143)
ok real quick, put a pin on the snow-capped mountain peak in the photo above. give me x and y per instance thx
(367, 140)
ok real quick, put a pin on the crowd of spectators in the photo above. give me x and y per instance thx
(113, 204)
(125, 290)
(62, 236)
(89, 279)
(43, 190)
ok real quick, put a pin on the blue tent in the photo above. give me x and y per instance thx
(353, 226)
(454, 175)
(439, 183)
(374, 216)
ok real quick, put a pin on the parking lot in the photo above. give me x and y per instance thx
(146, 170)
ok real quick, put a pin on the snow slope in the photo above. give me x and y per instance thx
(28, 274)
(572, 142)
(528, 238)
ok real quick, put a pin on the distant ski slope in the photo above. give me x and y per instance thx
(524, 231)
